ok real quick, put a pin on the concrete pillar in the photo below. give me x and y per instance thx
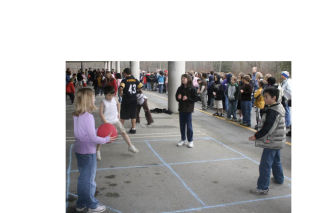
(175, 70)
(106, 64)
(109, 65)
(118, 67)
(135, 69)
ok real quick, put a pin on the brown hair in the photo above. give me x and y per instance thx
(188, 77)
(84, 102)
(247, 78)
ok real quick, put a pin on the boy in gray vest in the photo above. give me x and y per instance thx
(271, 136)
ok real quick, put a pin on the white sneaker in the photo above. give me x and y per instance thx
(98, 155)
(80, 209)
(100, 208)
(190, 144)
(133, 149)
(181, 143)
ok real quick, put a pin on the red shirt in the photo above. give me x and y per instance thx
(70, 87)
(113, 83)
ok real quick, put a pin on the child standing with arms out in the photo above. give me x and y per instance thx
(259, 101)
(186, 95)
(85, 150)
(270, 137)
(110, 113)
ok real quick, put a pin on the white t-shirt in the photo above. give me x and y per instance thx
(110, 110)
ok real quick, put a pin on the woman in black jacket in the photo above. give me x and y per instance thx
(186, 95)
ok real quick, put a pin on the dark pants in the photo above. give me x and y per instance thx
(146, 112)
(71, 95)
(185, 119)
(270, 159)
(232, 109)
(246, 111)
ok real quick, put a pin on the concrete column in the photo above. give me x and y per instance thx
(109, 65)
(106, 64)
(175, 70)
(118, 67)
(135, 69)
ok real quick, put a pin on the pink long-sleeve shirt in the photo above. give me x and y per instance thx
(85, 134)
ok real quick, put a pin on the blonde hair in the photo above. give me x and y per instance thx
(259, 75)
(267, 76)
(84, 102)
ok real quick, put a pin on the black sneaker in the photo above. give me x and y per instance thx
(132, 131)
(215, 114)
(289, 133)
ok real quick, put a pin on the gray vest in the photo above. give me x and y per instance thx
(276, 137)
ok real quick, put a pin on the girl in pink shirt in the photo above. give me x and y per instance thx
(85, 150)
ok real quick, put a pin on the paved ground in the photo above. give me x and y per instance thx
(214, 176)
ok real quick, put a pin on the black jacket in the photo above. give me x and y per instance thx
(247, 90)
(218, 89)
(187, 105)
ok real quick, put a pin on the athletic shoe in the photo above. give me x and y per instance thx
(259, 191)
(98, 155)
(289, 133)
(190, 144)
(133, 149)
(80, 209)
(215, 114)
(181, 143)
(100, 208)
(132, 131)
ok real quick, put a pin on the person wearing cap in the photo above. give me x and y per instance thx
(286, 86)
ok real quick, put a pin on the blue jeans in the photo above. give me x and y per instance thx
(87, 165)
(160, 88)
(232, 109)
(185, 118)
(226, 103)
(246, 111)
(149, 86)
(270, 159)
(287, 115)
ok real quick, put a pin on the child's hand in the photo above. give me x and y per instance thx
(179, 96)
(214, 93)
(241, 90)
(184, 98)
(252, 138)
(113, 138)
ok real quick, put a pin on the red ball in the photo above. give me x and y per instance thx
(105, 129)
